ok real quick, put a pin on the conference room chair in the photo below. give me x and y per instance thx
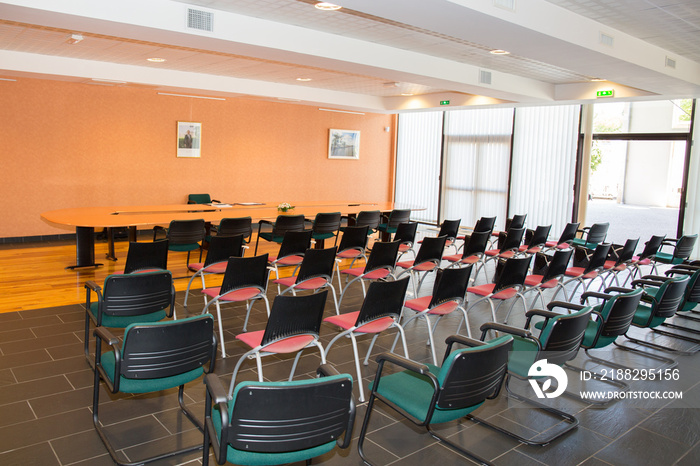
(583, 273)
(592, 236)
(449, 229)
(184, 235)
(558, 342)
(125, 299)
(380, 265)
(245, 280)
(200, 199)
(220, 249)
(278, 228)
(353, 246)
(427, 260)
(293, 325)
(380, 311)
(269, 423)
(619, 259)
(682, 249)
(509, 282)
(691, 298)
(535, 239)
(326, 225)
(153, 358)
(233, 226)
(448, 295)
(291, 252)
(146, 256)
(508, 247)
(548, 273)
(472, 252)
(517, 222)
(315, 273)
(368, 218)
(406, 236)
(565, 239)
(483, 224)
(651, 247)
(391, 221)
(428, 395)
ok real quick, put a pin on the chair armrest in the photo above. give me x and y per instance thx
(412, 366)
(326, 370)
(215, 388)
(91, 285)
(656, 278)
(618, 289)
(216, 200)
(643, 282)
(542, 313)
(520, 332)
(674, 271)
(562, 304)
(466, 341)
(594, 294)
(104, 334)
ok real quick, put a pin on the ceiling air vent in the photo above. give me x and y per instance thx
(484, 77)
(606, 39)
(670, 63)
(200, 20)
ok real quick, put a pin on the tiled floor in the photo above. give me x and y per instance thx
(46, 395)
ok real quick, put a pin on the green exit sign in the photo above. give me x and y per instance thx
(606, 93)
(444, 102)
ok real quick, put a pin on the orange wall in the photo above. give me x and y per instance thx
(73, 145)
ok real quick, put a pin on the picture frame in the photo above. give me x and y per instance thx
(344, 144)
(189, 139)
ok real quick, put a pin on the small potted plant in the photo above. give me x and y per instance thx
(284, 207)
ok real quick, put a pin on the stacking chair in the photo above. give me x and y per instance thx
(682, 249)
(125, 299)
(220, 249)
(184, 235)
(548, 276)
(326, 226)
(428, 395)
(449, 291)
(558, 342)
(283, 224)
(369, 218)
(200, 199)
(154, 357)
(508, 285)
(315, 273)
(427, 260)
(450, 229)
(567, 237)
(592, 236)
(381, 310)
(146, 257)
(691, 298)
(651, 247)
(352, 247)
(483, 224)
(379, 266)
(390, 222)
(292, 250)
(472, 252)
(233, 226)
(516, 222)
(581, 274)
(245, 279)
(620, 256)
(508, 247)
(406, 236)
(294, 324)
(266, 423)
(535, 239)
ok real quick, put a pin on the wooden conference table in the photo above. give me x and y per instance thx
(86, 219)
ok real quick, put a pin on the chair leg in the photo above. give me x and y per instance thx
(221, 330)
(457, 448)
(668, 362)
(357, 367)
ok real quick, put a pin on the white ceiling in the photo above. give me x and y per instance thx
(366, 55)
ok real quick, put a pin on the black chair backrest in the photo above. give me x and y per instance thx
(244, 272)
(354, 237)
(398, 216)
(198, 199)
(622, 309)
(569, 232)
(518, 221)
(137, 294)
(327, 222)
(539, 236)
(279, 418)
(431, 249)
(475, 374)
(625, 253)
(557, 264)
(513, 238)
(652, 246)
(597, 233)
(223, 247)
(146, 256)
(317, 263)
(450, 284)
(406, 233)
(383, 299)
(513, 273)
(565, 336)
(477, 243)
(168, 348)
(186, 231)
(383, 255)
(669, 297)
(485, 224)
(684, 246)
(236, 226)
(295, 315)
(285, 223)
(295, 243)
(692, 290)
(370, 218)
(597, 259)
(450, 228)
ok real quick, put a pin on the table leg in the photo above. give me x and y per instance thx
(84, 248)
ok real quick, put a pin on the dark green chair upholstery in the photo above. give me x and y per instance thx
(326, 225)
(427, 395)
(592, 236)
(682, 249)
(390, 222)
(200, 199)
(154, 357)
(184, 236)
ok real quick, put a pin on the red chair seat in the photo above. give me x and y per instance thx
(347, 321)
(241, 294)
(373, 275)
(487, 289)
(574, 271)
(349, 254)
(287, 345)
(289, 260)
(310, 284)
(458, 258)
(492, 252)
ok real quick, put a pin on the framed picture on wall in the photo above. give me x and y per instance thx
(189, 139)
(344, 144)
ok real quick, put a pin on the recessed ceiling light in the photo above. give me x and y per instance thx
(499, 52)
(156, 60)
(304, 79)
(406, 93)
(597, 80)
(326, 6)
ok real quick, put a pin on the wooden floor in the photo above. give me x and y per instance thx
(34, 275)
